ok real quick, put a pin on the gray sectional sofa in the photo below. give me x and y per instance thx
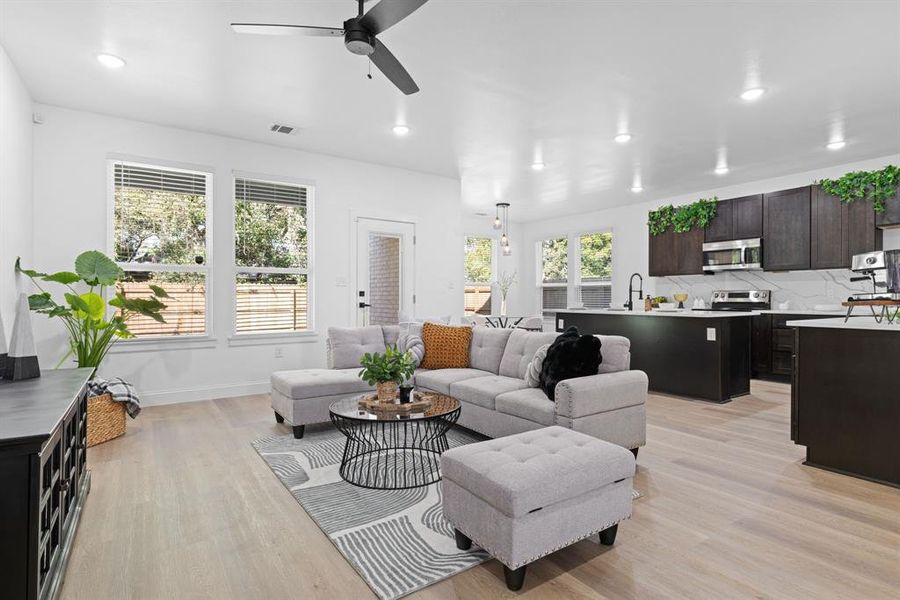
(495, 399)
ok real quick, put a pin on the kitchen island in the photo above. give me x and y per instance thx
(698, 354)
(845, 397)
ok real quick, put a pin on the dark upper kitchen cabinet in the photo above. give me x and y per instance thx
(840, 230)
(737, 219)
(786, 230)
(689, 252)
(747, 214)
(891, 216)
(674, 253)
(721, 228)
(662, 254)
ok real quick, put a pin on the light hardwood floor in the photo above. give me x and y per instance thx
(182, 507)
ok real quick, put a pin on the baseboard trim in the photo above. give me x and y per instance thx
(210, 392)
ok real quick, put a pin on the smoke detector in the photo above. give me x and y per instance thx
(279, 128)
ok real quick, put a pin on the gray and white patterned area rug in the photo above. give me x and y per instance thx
(398, 541)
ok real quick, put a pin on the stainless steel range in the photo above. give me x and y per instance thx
(741, 300)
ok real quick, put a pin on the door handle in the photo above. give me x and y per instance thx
(364, 305)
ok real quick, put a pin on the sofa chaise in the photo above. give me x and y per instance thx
(496, 401)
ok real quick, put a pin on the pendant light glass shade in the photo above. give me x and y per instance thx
(501, 222)
(506, 250)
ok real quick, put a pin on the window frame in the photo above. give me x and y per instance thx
(579, 283)
(573, 283)
(192, 339)
(495, 265)
(237, 339)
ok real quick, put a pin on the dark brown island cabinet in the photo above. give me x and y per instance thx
(772, 345)
(706, 357)
(845, 398)
(43, 478)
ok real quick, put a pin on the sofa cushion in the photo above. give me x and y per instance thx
(616, 351)
(520, 350)
(483, 390)
(391, 334)
(312, 383)
(446, 347)
(487, 348)
(439, 380)
(530, 403)
(346, 345)
(535, 469)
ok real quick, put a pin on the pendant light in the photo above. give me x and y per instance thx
(503, 225)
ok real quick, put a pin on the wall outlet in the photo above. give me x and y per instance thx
(279, 352)
(560, 324)
(710, 334)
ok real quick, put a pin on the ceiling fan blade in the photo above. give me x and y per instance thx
(388, 13)
(388, 64)
(275, 29)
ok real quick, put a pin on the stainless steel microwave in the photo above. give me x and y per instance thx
(733, 255)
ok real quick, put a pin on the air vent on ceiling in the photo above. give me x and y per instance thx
(279, 128)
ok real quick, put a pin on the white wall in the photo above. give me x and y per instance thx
(630, 236)
(15, 183)
(70, 190)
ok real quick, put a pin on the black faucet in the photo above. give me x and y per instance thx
(630, 303)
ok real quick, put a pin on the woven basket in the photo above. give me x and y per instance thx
(105, 419)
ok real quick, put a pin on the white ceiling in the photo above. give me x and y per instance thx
(501, 83)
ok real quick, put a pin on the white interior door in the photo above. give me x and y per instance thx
(385, 271)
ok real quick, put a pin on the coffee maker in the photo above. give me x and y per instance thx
(883, 269)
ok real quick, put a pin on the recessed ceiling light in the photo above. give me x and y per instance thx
(836, 145)
(400, 130)
(537, 166)
(721, 170)
(111, 61)
(637, 189)
(752, 94)
(623, 137)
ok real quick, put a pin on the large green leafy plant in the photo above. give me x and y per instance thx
(877, 186)
(85, 313)
(682, 218)
(392, 366)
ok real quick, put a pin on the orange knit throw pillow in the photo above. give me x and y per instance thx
(445, 347)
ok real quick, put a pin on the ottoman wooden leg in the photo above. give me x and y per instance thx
(514, 579)
(279, 418)
(298, 431)
(608, 536)
(463, 542)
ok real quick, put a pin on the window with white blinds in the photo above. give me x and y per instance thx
(161, 238)
(271, 256)
(575, 270)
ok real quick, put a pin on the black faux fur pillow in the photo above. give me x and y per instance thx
(570, 355)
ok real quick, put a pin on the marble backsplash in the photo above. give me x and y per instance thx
(802, 289)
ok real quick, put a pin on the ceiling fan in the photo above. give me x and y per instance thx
(359, 36)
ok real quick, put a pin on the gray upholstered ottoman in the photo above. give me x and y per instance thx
(524, 496)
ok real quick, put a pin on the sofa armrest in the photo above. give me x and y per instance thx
(583, 396)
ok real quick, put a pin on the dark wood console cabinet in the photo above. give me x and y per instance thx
(44, 478)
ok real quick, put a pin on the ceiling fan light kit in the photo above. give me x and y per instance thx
(359, 36)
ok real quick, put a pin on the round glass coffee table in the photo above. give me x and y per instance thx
(393, 451)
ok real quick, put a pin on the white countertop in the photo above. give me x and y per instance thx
(853, 323)
(700, 314)
(683, 313)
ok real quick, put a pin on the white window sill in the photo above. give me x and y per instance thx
(267, 339)
(155, 344)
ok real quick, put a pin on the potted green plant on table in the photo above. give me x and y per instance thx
(387, 371)
(85, 313)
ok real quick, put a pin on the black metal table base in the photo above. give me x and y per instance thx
(393, 454)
